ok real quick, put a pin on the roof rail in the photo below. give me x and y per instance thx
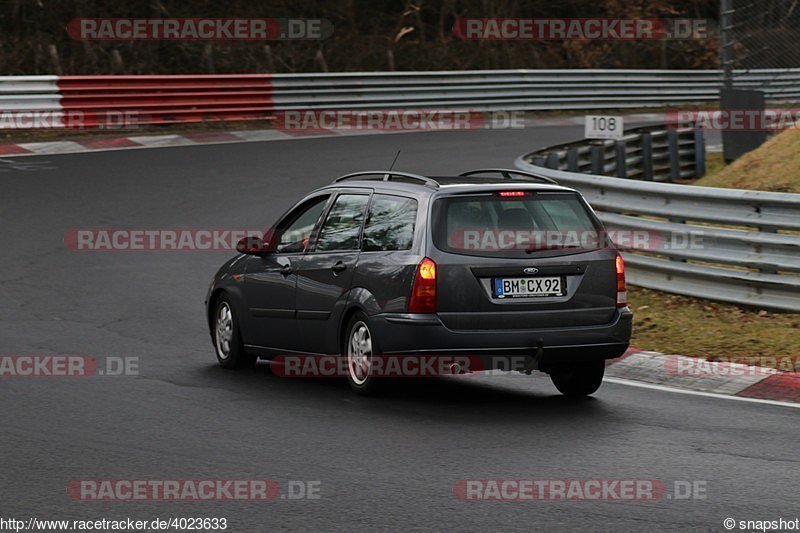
(508, 174)
(388, 175)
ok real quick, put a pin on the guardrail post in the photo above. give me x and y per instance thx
(621, 155)
(597, 159)
(674, 155)
(767, 229)
(647, 156)
(699, 153)
(572, 159)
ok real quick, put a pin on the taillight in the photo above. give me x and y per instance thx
(507, 194)
(622, 291)
(423, 292)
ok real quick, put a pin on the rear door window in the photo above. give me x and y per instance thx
(342, 227)
(492, 225)
(390, 223)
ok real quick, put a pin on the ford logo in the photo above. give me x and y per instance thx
(531, 270)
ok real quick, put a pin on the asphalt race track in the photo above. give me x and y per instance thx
(383, 464)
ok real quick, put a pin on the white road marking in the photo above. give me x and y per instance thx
(244, 136)
(682, 372)
(54, 147)
(158, 141)
(169, 141)
(258, 135)
(663, 388)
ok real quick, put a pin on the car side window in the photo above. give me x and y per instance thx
(390, 224)
(295, 235)
(343, 225)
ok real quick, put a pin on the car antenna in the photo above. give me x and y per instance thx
(395, 160)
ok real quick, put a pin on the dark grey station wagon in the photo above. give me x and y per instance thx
(495, 264)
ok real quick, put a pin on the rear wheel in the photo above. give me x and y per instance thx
(360, 348)
(227, 339)
(578, 379)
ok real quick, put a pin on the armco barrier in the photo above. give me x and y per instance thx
(652, 153)
(522, 89)
(165, 99)
(29, 93)
(190, 98)
(91, 100)
(722, 244)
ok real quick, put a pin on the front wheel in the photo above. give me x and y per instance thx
(227, 339)
(360, 348)
(578, 379)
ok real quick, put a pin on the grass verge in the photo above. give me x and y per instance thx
(690, 326)
(715, 162)
(774, 166)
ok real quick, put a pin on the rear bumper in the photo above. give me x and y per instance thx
(426, 335)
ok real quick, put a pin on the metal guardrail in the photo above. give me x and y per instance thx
(522, 89)
(166, 99)
(190, 98)
(100, 100)
(652, 153)
(721, 244)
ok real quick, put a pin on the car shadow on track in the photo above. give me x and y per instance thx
(481, 394)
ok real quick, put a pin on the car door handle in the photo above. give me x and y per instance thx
(338, 267)
(286, 270)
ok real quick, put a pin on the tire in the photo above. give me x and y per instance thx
(359, 347)
(227, 338)
(579, 379)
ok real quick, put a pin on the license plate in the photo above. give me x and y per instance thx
(529, 287)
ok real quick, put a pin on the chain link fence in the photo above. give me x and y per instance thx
(762, 34)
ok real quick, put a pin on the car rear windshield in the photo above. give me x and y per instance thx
(514, 224)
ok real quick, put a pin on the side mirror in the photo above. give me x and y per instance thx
(251, 246)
